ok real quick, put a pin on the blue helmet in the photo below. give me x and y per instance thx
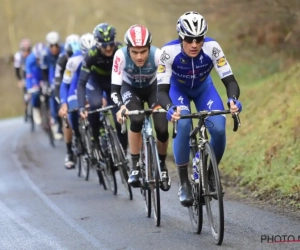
(72, 44)
(104, 34)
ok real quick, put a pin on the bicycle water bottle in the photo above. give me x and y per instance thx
(196, 161)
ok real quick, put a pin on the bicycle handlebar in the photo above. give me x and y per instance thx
(102, 109)
(206, 113)
(138, 112)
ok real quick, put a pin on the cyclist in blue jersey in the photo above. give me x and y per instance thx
(54, 48)
(133, 81)
(34, 78)
(19, 64)
(68, 91)
(183, 76)
(95, 78)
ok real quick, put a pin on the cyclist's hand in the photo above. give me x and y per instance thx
(119, 114)
(173, 113)
(63, 111)
(83, 113)
(234, 105)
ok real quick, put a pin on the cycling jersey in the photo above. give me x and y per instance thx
(178, 68)
(33, 72)
(49, 62)
(19, 64)
(96, 68)
(124, 70)
(68, 89)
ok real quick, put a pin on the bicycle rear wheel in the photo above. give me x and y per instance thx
(213, 196)
(154, 179)
(196, 211)
(120, 160)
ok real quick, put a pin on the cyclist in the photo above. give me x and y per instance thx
(184, 75)
(19, 64)
(34, 78)
(54, 48)
(59, 71)
(95, 77)
(68, 91)
(133, 81)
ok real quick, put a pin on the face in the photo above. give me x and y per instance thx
(192, 45)
(139, 55)
(107, 50)
(54, 49)
(25, 53)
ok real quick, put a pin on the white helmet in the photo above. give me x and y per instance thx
(71, 38)
(87, 41)
(52, 38)
(191, 24)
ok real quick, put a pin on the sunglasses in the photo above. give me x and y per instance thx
(193, 39)
(54, 45)
(105, 45)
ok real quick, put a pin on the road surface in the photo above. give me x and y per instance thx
(44, 206)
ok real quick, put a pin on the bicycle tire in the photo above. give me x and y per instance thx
(120, 156)
(219, 234)
(80, 158)
(145, 190)
(85, 170)
(47, 122)
(196, 211)
(101, 179)
(155, 189)
(30, 117)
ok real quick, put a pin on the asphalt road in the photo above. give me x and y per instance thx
(44, 206)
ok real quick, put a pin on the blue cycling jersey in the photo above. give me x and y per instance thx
(49, 62)
(68, 88)
(175, 67)
(33, 72)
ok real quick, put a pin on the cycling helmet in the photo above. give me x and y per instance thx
(104, 34)
(191, 24)
(39, 50)
(87, 41)
(137, 36)
(71, 38)
(25, 44)
(52, 38)
(72, 44)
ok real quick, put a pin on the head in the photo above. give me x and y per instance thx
(104, 35)
(138, 40)
(87, 41)
(191, 28)
(39, 51)
(53, 42)
(71, 39)
(25, 47)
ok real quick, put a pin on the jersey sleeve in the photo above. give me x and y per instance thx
(118, 68)
(69, 71)
(164, 69)
(219, 60)
(17, 60)
(157, 56)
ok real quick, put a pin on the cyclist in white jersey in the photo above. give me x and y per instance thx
(134, 81)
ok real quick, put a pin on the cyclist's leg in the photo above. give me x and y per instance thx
(25, 98)
(133, 102)
(209, 99)
(35, 102)
(94, 96)
(181, 147)
(162, 134)
(122, 137)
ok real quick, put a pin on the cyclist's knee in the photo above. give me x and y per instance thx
(95, 103)
(184, 127)
(136, 123)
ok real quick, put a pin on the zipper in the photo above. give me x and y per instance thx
(193, 73)
(140, 77)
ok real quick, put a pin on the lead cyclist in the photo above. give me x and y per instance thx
(183, 75)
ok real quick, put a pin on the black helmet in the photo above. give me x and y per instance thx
(104, 34)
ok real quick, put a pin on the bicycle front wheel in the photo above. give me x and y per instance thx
(213, 194)
(46, 121)
(154, 179)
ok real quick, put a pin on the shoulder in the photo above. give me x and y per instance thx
(93, 52)
(170, 50)
(18, 55)
(211, 47)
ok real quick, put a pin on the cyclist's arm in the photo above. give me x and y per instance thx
(164, 73)
(117, 77)
(66, 83)
(29, 73)
(17, 65)
(224, 70)
(59, 70)
(44, 65)
(85, 73)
